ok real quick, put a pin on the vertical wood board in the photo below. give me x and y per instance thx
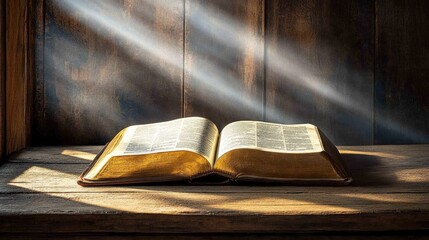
(38, 42)
(402, 72)
(224, 58)
(319, 66)
(16, 74)
(2, 79)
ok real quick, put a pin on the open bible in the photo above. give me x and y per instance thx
(193, 149)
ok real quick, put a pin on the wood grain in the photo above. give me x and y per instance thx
(217, 236)
(38, 124)
(390, 192)
(224, 60)
(2, 79)
(319, 66)
(108, 65)
(401, 97)
(37, 38)
(17, 77)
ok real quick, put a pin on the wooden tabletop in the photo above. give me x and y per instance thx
(38, 193)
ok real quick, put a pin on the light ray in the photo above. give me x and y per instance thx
(283, 60)
(79, 154)
(375, 154)
(286, 62)
(210, 76)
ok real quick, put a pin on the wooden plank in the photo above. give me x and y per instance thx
(205, 223)
(223, 77)
(216, 203)
(2, 79)
(401, 97)
(218, 236)
(38, 124)
(37, 38)
(108, 65)
(16, 74)
(319, 66)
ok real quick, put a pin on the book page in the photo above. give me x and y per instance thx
(191, 134)
(293, 138)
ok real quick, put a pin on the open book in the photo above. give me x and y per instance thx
(193, 149)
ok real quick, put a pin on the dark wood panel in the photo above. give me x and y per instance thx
(402, 71)
(319, 66)
(34, 22)
(224, 60)
(36, 19)
(107, 65)
(2, 78)
(16, 74)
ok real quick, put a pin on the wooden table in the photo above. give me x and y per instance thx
(390, 196)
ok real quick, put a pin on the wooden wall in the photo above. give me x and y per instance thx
(358, 68)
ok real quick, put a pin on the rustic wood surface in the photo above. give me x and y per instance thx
(39, 193)
(402, 70)
(319, 66)
(219, 236)
(107, 66)
(224, 69)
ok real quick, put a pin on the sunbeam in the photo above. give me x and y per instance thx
(78, 154)
(208, 74)
(106, 20)
(286, 62)
(156, 51)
